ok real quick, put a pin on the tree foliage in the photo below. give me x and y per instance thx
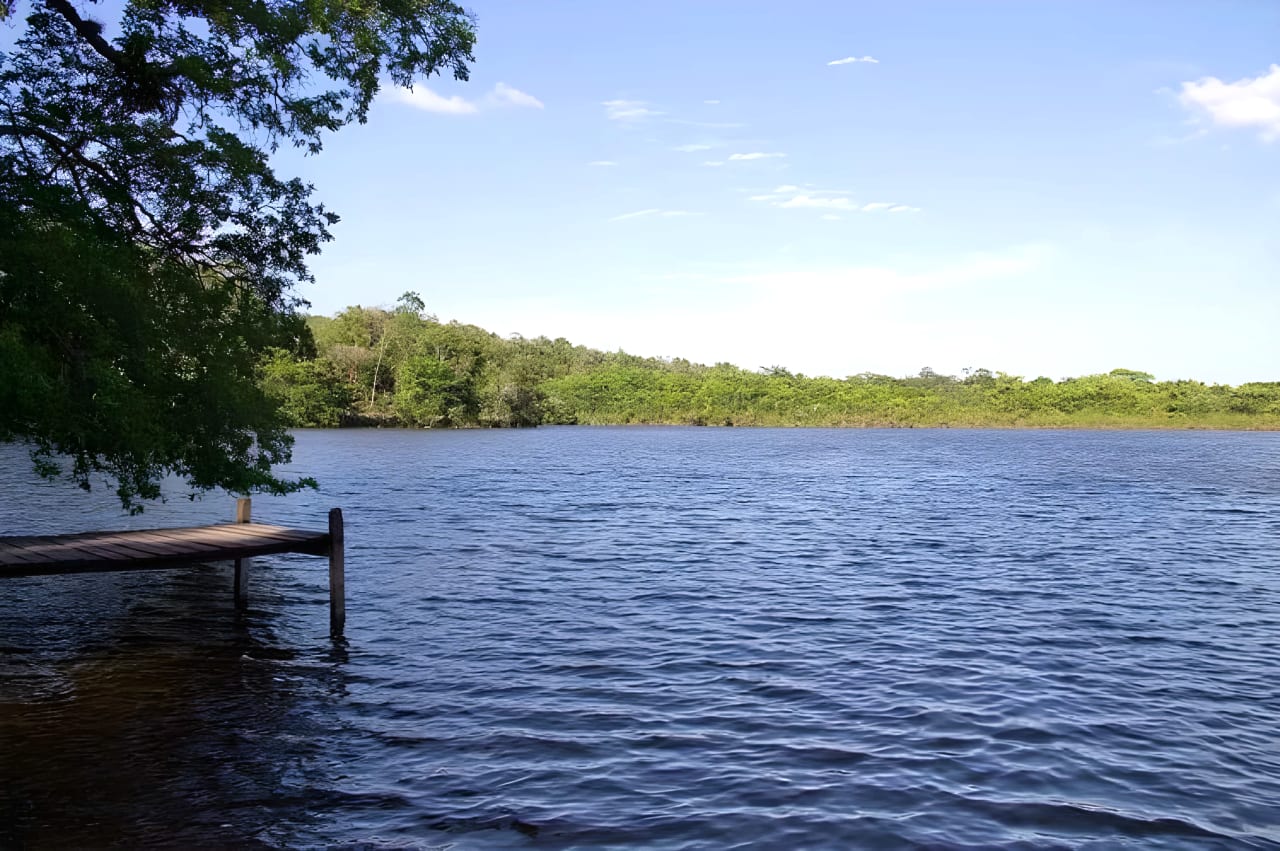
(148, 251)
(437, 374)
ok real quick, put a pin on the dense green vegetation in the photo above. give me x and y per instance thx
(403, 367)
(148, 250)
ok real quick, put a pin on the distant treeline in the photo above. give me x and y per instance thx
(368, 366)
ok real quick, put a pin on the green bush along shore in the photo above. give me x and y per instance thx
(402, 367)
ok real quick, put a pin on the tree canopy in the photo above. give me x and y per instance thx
(404, 367)
(149, 253)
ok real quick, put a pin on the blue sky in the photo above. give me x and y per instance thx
(1043, 188)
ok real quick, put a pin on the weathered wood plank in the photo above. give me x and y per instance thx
(13, 553)
(121, 550)
(47, 549)
(188, 540)
(159, 549)
(139, 542)
(230, 534)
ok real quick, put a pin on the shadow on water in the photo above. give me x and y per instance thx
(141, 709)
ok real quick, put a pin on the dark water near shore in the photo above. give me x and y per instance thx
(671, 638)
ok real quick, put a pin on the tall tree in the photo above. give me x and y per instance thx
(148, 252)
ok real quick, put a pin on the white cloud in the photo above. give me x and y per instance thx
(652, 211)
(849, 60)
(689, 149)
(755, 155)
(825, 202)
(637, 214)
(794, 197)
(710, 125)
(602, 163)
(421, 97)
(509, 95)
(1250, 102)
(1197, 133)
(711, 102)
(628, 110)
(832, 217)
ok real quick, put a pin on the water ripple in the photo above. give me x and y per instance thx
(679, 638)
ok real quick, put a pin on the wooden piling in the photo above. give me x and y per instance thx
(337, 578)
(244, 508)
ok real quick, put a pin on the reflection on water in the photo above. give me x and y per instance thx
(675, 638)
(138, 709)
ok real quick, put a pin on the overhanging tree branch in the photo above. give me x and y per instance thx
(155, 249)
(91, 32)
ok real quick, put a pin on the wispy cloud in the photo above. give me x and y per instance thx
(791, 197)
(628, 110)
(709, 125)
(818, 201)
(711, 102)
(781, 193)
(849, 60)
(421, 97)
(689, 149)
(1250, 102)
(755, 155)
(713, 163)
(652, 211)
(1165, 140)
(602, 163)
(501, 95)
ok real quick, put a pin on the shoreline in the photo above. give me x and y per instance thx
(883, 426)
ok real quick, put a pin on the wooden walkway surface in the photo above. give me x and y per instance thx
(94, 552)
(98, 551)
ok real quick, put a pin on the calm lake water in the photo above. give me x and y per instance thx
(674, 638)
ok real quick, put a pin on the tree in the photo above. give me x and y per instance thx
(309, 392)
(148, 251)
(402, 327)
(1132, 375)
(429, 393)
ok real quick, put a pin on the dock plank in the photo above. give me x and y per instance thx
(159, 549)
(150, 548)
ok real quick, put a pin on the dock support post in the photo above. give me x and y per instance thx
(244, 507)
(337, 578)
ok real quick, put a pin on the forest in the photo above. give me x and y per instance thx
(403, 367)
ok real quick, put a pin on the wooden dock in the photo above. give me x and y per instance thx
(154, 549)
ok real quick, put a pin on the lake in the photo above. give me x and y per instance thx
(674, 638)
